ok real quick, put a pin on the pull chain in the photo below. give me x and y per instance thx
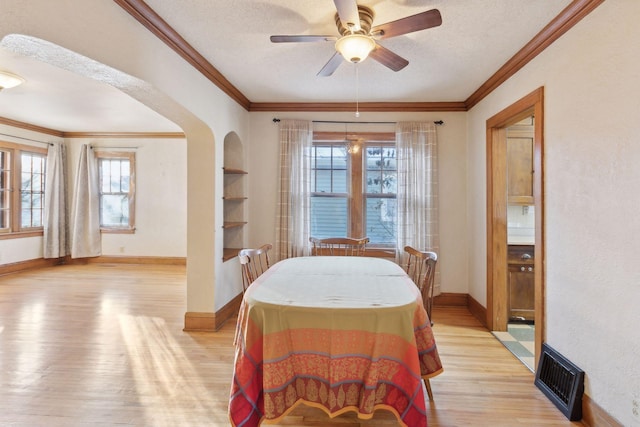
(357, 93)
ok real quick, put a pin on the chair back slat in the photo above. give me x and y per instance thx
(253, 262)
(338, 246)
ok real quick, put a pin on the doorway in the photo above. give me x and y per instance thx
(498, 206)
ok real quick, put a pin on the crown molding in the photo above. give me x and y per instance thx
(362, 106)
(565, 20)
(61, 134)
(158, 26)
(159, 135)
(28, 126)
(570, 16)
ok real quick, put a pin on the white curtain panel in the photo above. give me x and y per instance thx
(56, 227)
(417, 157)
(294, 189)
(86, 240)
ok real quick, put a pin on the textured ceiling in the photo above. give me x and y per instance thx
(446, 63)
(62, 100)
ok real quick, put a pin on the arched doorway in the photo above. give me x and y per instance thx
(201, 143)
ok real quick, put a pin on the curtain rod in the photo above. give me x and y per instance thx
(26, 139)
(101, 148)
(277, 120)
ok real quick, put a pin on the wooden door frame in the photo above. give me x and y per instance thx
(497, 316)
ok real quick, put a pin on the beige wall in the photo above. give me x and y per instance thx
(591, 78)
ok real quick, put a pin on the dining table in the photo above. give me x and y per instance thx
(338, 333)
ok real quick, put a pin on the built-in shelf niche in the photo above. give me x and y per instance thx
(234, 196)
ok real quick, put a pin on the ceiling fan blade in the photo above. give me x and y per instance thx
(289, 39)
(388, 58)
(420, 21)
(348, 13)
(331, 66)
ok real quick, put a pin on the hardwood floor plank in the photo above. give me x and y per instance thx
(103, 345)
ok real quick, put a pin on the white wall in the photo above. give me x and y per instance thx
(591, 78)
(263, 167)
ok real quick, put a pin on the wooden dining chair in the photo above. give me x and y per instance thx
(254, 262)
(341, 246)
(421, 267)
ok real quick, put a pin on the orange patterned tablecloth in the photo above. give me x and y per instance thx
(337, 333)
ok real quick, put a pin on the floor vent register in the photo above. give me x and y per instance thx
(561, 381)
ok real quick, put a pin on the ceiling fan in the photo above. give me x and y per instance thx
(358, 39)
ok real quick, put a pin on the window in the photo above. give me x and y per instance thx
(330, 193)
(32, 190)
(22, 187)
(117, 191)
(380, 193)
(354, 187)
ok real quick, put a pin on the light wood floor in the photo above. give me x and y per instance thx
(103, 345)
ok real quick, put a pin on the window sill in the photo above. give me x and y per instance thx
(21, 234)
(380, 252)
(118, 230)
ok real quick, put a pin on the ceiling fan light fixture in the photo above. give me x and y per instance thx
(355, 47)
(9, 80)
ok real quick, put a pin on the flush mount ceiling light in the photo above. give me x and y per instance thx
(9, 80)
(355, 47)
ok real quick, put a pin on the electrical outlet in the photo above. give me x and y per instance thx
(121, 249)
(635, 408)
